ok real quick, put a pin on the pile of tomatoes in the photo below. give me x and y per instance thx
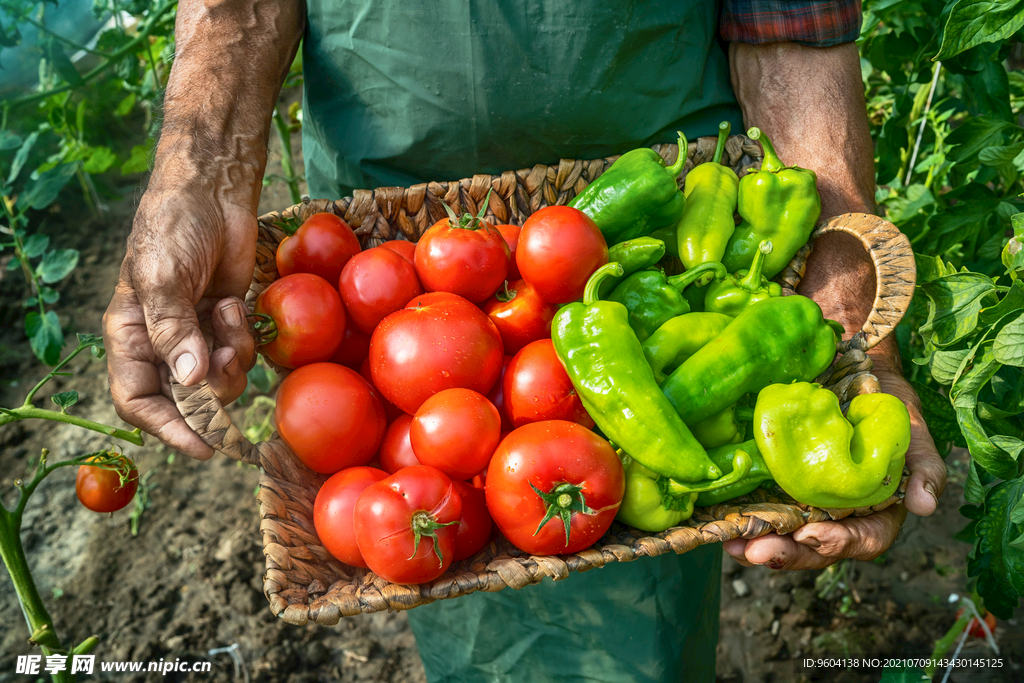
(426, 384)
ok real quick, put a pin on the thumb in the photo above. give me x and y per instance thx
(174, 331)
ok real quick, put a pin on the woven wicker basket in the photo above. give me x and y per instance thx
(305, 583)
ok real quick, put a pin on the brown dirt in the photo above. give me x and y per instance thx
(191, 580)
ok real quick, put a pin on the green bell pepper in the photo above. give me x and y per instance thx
(718, 430)
(723, 457)
(652, 299)
(607, 368)
(707, 223)
(647, 504)
(823, 459)
(632, 255)
(774, 340)
(780, 203)
(743, 288)
(636, 195)
(679, 338)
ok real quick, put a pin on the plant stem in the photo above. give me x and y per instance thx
(25, 412)
(286, 157)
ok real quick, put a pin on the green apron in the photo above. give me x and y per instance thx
(399, 93)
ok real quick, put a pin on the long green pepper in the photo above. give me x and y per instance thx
(707, 224)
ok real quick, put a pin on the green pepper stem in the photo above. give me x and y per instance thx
(699, 274)
(751, 282)
(771, 161)
(741, 464)
(723, 134)
(591, 292)
(677, 168)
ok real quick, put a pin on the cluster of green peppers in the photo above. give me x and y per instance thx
(662, 381)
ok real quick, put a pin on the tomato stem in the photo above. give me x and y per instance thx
(265, 329)
(424, 524)
(25, 412)
(563, 500)
(506, 294)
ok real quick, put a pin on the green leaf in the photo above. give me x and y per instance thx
(55, 53)
(1012, 301)
(49, 295)
(126, 105)
(21, 157)
(45, 336)
(903, 675)
(945, 364)
(964, 392)
(931, 267)
(42, 191)
(56, 265)
(987, 454)
(998, 565)
(35, 245)
(954, 304)
(973, 22)
(939, 414)
(8, 141)
(1011, 445)
(903, 209)
(1009, 343)
(100, 159)
(65, 400)
(974, 490)
(13, 264)
(138, 161)
(975, 134)
(998, 156)
(87, 339)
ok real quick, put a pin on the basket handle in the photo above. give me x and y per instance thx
(206, 416)
(895, 271)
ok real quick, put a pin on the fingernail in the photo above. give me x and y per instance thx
(232, 316)
(231, 367)
(810, 541)
(184, 366)
(931, 489)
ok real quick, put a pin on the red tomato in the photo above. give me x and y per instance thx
(403, 248)
(438, 341)
(475, 525)
(577, 473)
(520, 315)
(511, 235)
(559, 249)
(497, 397)
(332, 511)
(469, 259)
(308, 320)
(396, 451)
(354, 349)
(374, 284)
(329, 416)
(975, 629)
(101, 489)
(456, 431)
(536, 388)
(406, 525)
(392, 411)
(321, 246)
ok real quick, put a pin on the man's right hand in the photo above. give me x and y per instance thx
(189, 261)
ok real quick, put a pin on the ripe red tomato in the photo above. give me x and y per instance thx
(101, 489)
(511, 235)
(374, 284)
(559, 249)
(456, 431)
(396, 451)
(536, 388)
(406, 525)
(308, 320)
(469, 258)
(332, 511)
(354, 349)
(497, 396)
(438, 341)
(974, 628)
(577, 474)
(403, 248)
(520, 315)
(321, 246)
(474, 529)
(329, 416)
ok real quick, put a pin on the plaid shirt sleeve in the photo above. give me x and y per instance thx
(817, 23)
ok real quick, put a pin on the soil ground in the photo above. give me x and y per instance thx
(191, 580)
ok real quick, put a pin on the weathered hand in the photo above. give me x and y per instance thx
(176, 308)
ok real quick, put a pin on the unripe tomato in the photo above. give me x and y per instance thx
(469, 258)
(559, 249)
(101, 489)
(321, 246)
(308, 320)
(374, 284)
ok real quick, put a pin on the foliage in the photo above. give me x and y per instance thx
(950, 159)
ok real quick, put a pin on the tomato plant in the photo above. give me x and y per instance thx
(332, 511)
(396, 450)
(106, 489)
(536, 388)
(554, 487)
(474, 530)
(301, 320)
(463, 255)
(438, 341)
(559, 249)
(520, 315)
(456, 431)
(374, 284)
(329, 416)
(322, 245)
(406, 525)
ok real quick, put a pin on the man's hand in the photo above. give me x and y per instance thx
(810, 102)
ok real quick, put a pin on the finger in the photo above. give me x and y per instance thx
(235, 350)
(736, 547)
(927, 472)
(173, 327)
(135, 384)
(781, 552)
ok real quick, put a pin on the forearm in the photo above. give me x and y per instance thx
(231, 59)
